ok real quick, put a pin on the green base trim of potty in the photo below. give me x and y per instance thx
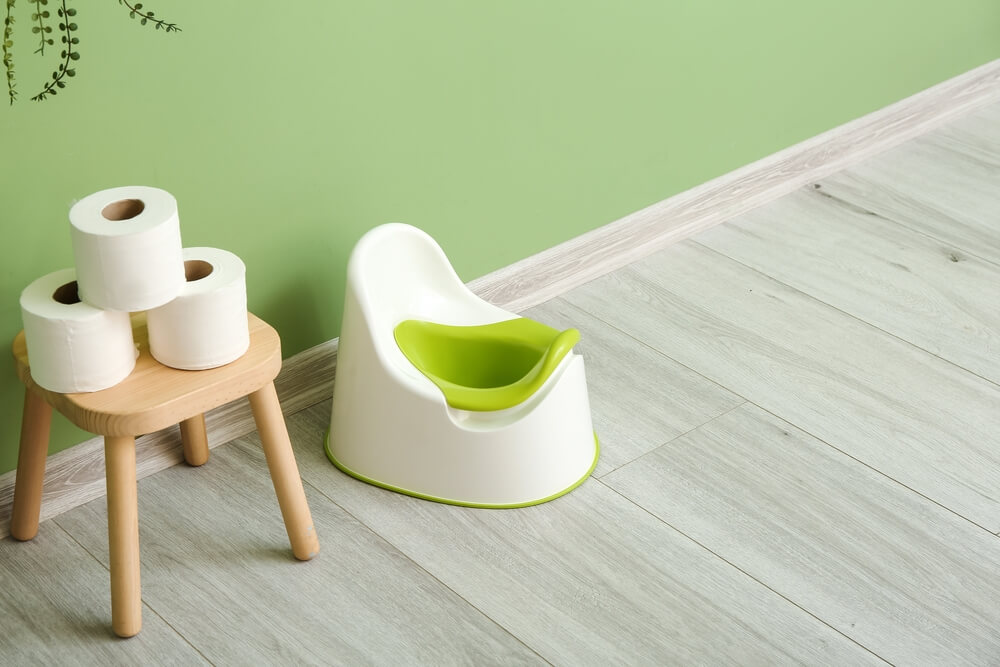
(452, 501)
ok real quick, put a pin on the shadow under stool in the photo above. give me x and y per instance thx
(154, 397)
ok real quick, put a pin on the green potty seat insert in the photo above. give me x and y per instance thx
(485, 367)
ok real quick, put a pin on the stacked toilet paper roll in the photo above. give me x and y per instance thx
(128, 253)
(127, 248)
(74, 346)
(206, 325)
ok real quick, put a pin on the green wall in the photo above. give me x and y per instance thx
(502, 128)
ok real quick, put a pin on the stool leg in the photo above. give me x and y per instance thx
(284, 472)
(195, 440)
(123, 535)
(35, 423)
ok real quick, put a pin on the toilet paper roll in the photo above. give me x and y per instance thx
(206, 325)
(127, 248)
(73, 346)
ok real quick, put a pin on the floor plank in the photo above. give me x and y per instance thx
(588, 578)
(639, 399)
(943, 184)
(913, 416)
(912, 286)
(217, 565)
(55, 610)
(902, 576)
(977, 133)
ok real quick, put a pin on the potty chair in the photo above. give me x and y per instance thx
(443, 396)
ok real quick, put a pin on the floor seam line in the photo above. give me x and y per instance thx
(427, 572)
(654, 349)
(742, 571)
(873, 468)
(145, 603)
(752, 402)
(854, 317)
(676, 437)
(906, 226)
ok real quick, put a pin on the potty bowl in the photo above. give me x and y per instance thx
(443, 396)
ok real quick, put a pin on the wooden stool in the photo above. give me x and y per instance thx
(151, 398)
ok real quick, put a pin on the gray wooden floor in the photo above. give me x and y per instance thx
(800, 420)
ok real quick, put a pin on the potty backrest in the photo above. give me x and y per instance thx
(398, 272)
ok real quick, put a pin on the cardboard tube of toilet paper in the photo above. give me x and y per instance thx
(206, 325)
(72, 346)
(127, 248)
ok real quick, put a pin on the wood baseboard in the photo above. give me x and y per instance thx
(76, 475)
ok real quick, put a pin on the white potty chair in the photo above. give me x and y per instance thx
(446, 397)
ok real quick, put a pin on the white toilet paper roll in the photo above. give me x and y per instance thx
(73, 346)
(127, 248)
(206, 325)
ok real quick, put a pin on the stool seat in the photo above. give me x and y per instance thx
(153, 397)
